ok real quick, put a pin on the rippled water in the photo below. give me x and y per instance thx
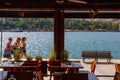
(38, 43)
(75, 42)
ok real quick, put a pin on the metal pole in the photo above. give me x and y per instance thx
(1, 46)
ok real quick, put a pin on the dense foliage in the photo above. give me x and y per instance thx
(47, 24)
(91, 25)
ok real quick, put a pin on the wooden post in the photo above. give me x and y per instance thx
(58, 32)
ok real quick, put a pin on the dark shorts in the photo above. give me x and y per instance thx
(7, 53)
(23, 49)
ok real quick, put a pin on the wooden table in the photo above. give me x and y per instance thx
(72, 67)
(65, 67)
(11, 66)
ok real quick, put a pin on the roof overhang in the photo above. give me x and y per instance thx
(46, 8)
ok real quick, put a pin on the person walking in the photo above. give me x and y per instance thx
(23, 48)
(9, 49)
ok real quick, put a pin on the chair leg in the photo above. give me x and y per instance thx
(36, 78)
(83, 60)
(115, 76)
(50, 77)
(39, 75)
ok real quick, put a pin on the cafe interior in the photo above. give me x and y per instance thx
(59, 10)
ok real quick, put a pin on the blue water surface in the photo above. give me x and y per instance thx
(40, 43)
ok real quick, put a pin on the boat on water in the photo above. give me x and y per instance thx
(12, 30)
(16, 30)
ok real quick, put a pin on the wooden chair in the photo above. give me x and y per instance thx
(37, 74)
(54, 66)
(32, 66)
(117, 73)
(117, 67)
(92, 68)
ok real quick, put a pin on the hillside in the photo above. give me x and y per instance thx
(47, 24)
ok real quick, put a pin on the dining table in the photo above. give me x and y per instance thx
(3, 75)
(72, 67)
(65, 67)
(11, 65)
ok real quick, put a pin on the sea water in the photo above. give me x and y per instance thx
(41, 43)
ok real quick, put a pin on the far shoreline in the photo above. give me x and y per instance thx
(66, 30)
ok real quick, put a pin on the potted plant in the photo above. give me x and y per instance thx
(64, 55)
(52, 56)
(38, 57)
(16, 55)
(53, 62)
(29, 58)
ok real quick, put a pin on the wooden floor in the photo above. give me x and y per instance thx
(103, 69)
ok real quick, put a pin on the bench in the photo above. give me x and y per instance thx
(96, 55)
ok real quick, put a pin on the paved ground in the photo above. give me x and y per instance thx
(104, 69)
(101, 69)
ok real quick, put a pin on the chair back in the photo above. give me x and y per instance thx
(31, 66)
(54, 66)
(40, 75)
(117, 67)
(117, 73)
(54, 63)
(38, 64)
(93, 66)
